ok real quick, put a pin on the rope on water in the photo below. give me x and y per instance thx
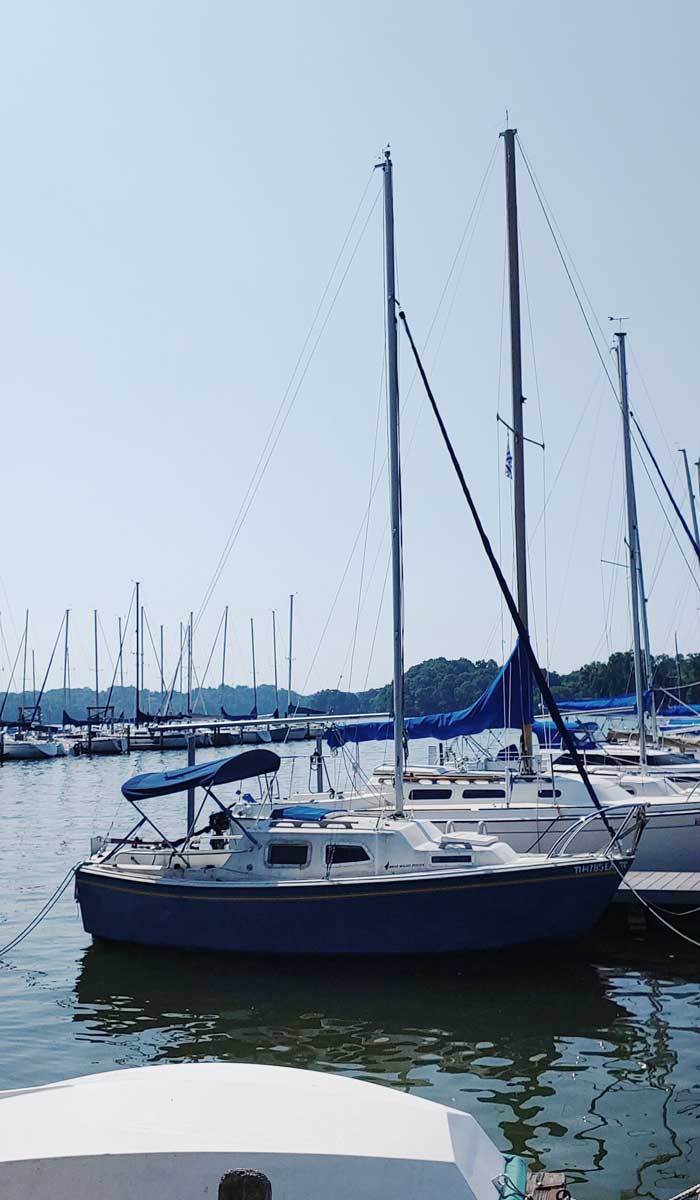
(43, 912)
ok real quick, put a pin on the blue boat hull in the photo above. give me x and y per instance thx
(387, 916)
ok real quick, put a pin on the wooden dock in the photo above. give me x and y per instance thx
(671, 889)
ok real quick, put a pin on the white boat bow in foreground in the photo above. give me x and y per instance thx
(175, 1131)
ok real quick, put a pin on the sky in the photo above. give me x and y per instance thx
(189, 208)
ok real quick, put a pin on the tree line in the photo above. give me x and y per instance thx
(436, 685)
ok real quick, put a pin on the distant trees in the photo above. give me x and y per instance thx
(437, 685)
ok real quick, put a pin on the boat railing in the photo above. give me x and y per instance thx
(633, 822)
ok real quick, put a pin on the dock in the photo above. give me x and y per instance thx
(671, 889)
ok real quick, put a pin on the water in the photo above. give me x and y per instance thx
(586, 1061)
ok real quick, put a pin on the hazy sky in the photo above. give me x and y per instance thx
(178, 179)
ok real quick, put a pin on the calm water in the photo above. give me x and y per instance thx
(586, 1061)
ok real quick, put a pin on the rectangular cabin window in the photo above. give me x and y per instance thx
(430, 794)
(483, 794)
(339, 854)
(288, 854)
(452, 858)
(549, 793)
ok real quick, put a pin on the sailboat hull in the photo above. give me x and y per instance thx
(554, 900)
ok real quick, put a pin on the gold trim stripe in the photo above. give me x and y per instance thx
(282, 897)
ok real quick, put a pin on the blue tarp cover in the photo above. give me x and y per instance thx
(681, 710)
(302, 812)
(605, 704)
(548, 735)
(221, 770)
(506, 704)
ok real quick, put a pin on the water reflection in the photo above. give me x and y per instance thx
(452, 1026)
(574, 1065)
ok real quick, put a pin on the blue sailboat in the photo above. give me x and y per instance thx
(314, 880)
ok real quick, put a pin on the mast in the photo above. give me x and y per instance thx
(678, 669)
(33, 681)
(255, 680)
(223, 653)
(189, 665)
(291, 631)
(518, 401)
(97, 671)
(66, 668)
(138, 692)
(162, 677)
(274, 659)
(121, 654)
(632, 542)
(182, 646)
(143, 643)
(395, 477)
(24, 659)
(691, 495)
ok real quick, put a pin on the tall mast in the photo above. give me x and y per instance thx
(223, 653)
(162, 660)
(291, 633)
(97, 670)
(24, 658)
(33, 681)
(66, 669)
(632, 542)
(678, 669)
(121, 654)
(255, 679)
(143, 644)
(189, 665)
(395, 477)
(138, 690)
(182, 647)
(691, 495)
(274, 659)
(518, 401)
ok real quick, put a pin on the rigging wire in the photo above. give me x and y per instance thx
(289, 397)
(104, 639)
(633, 418)
(471, 223)
(544, 460)
(564, 732)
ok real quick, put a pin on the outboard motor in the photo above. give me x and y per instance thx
(219, 824)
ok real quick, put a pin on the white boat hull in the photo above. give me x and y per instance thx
(30, 749)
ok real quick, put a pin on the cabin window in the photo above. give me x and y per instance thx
(430, 794)
(288, 854)
(339, 854)
(483, 794)
(549, 793)
(452, 858)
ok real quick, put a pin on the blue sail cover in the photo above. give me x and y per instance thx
(506, 704)
(689, 711)
(616, 704)
(548, 735)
